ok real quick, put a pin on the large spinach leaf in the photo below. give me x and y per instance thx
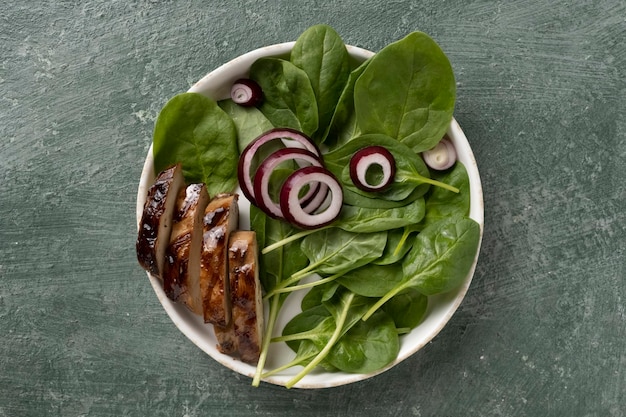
(407, 309)
(440, 259)
(372, 280)
(320, 52)
(346, 310)
(334, 251)
(289, 99)
(367, 346)
(343, 126)
(368, 220)
(442, 203)
(407, 92)
(397, 246)
(193, 130)
(365, 220)
(249, 122)
(442, 255)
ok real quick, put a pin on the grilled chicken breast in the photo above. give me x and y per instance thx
(155, 225)
(191, 243)
(244, 334)
(181, 272)
(220, 219)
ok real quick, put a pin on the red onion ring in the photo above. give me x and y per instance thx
(289, 201)
(246, 92)
(363, 159)
(441, 157)
(290, 138)
(262, 177)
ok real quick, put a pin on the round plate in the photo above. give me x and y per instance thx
(440, 307)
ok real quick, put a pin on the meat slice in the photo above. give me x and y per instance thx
(220, 219)
(243, 336)
(155, 225)
(181, 272)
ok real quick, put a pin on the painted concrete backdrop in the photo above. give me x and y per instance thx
(541, 87)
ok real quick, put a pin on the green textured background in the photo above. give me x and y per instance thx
(541, 87)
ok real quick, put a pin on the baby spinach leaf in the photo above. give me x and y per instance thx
(372, 280)
(331, 253)
(368, 220)
(319, 294)
(346, 309)
(249, 122)
(320, 52)
(365, 220)
(332, 335)
(440, 259)
(407, 309)
(442, 255)
(193, 130)
(395, 249)
(334, 251)
(315, 324)
(407, 92)
(280, 264)
(342, 126)
(367, 346)
(306, 334)
(289, 100)
(442, 203)
(305, 350)
(352, 306)
(359, 200)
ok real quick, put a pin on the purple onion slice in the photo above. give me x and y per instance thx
(366, 158)
(264, 172)
(291, 138)
(246, 92)
(290, 204)
(441, 157)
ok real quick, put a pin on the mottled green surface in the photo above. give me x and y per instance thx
(541, 89)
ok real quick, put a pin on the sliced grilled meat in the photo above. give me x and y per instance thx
(155, 225)
(243, 336)
(220, 219)
(181, 272)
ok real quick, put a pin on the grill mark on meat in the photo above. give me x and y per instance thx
(221, 217)
(243, 337)
(154, 230)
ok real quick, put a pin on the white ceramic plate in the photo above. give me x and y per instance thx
(441, 308)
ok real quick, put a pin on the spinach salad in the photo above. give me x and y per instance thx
(387, 251)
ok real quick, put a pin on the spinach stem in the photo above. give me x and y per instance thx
(296, 336)
(289, 239)
(307, 285)
(271, 322)
(437, 184)
(295, 277)
(405, 236)
(383, 300)
(286, 283)
(324, 352)
(296, 361)
(403, 330)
